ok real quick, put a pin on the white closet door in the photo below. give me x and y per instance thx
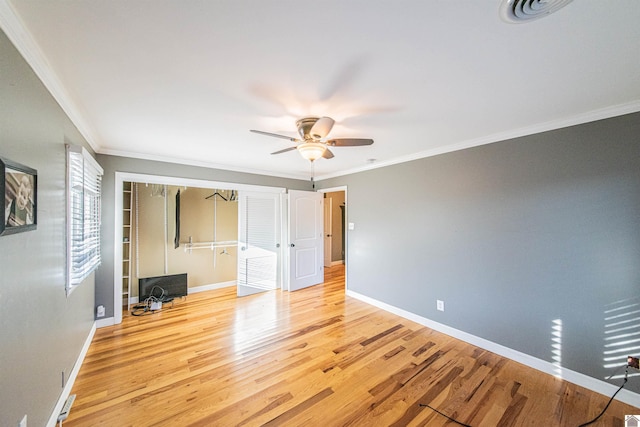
(306, 248)
(258, 242)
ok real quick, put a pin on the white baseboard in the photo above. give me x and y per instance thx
(574, 377)
(210, 287)
(66, 391)
(107, 321)
(196, 289)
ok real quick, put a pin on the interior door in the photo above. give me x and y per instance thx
(328, 226)
(258, 242)
(306, 248)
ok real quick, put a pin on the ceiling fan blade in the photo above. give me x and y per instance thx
(327, 154)
(285, 150)
(349, 142)
(322, 127)
(275, 135)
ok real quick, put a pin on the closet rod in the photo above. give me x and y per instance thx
(210, 245)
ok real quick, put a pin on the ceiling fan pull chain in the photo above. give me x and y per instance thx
(313, 183)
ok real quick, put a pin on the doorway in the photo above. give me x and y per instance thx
(169, 230)
(335, 235)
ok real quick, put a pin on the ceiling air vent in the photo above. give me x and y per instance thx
(520, 11)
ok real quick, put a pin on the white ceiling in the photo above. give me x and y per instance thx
(185, 80)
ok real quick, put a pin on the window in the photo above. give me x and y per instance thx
(84, 178)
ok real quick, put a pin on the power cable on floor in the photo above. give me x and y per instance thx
(444, 415)
(626, 373)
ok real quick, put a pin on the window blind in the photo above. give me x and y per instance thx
(83, 215)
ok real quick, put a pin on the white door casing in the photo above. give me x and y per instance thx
(306, 242)
(328, 227)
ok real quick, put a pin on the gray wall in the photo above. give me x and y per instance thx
(42, 331)
(512, 236)
(112, 164)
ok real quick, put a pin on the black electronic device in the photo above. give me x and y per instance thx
(162, 287)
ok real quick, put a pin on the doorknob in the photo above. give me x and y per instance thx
(243, 248)
(292, 245)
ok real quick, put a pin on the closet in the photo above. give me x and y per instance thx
(177, 229)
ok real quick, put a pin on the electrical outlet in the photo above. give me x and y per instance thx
(440, 305)
(633, 362)
(23, 421)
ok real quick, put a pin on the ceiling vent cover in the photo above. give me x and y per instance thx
(520, 11)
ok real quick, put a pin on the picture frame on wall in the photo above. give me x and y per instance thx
(19, 185)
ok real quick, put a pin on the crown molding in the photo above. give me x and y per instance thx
(23, 41)
(199, 163)
(590, 116)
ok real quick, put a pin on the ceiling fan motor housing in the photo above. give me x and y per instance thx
(304, 126)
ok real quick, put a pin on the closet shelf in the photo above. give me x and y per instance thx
(209, 245)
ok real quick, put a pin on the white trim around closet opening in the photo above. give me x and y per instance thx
(120, 178)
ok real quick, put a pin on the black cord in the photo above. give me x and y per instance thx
(142, 311)
(617, 371)
(444, 415)
(145, 308)
(626, 372)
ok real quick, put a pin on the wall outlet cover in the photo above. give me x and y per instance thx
(440, 305)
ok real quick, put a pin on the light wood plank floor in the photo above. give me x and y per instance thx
(314, 358)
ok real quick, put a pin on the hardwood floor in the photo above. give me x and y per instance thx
(312, 357)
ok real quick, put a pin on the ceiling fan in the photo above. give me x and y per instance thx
(311, 146)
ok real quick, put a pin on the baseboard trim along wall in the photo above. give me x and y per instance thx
(194, 290)
(107, 321)
(577, 378)
(66, 391)
(210, 287)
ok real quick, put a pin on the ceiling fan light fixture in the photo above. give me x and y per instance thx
(311, 150)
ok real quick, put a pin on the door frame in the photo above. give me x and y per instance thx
(119, 179)
(346, 231)
(327, 234)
